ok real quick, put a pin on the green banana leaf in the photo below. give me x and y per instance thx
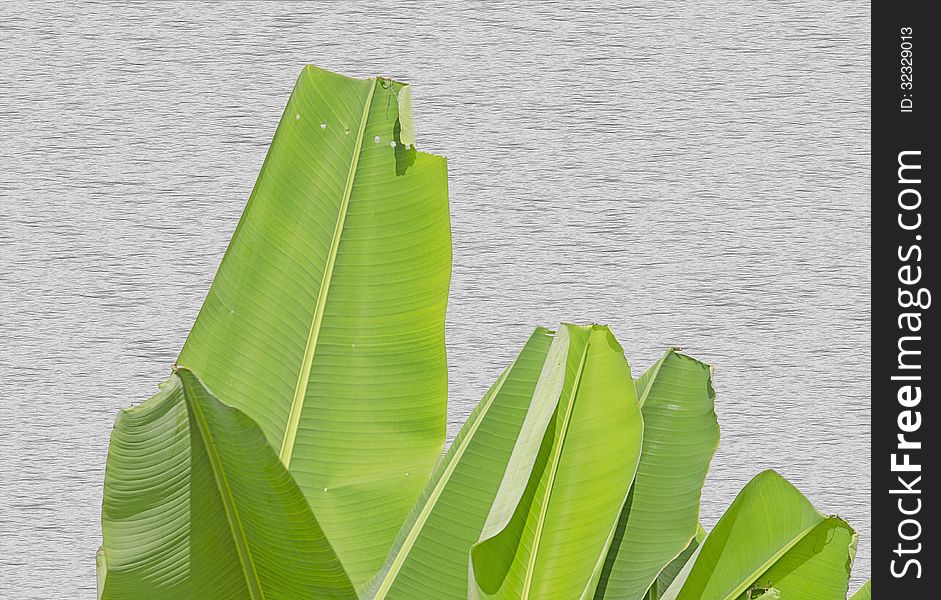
(661, 514)
(555, 512)
(325, 321)
(431, 551)
(863, 593)
(770, 540)
(669, 572)
(197, 506)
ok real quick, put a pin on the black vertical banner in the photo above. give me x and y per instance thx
(906, 370)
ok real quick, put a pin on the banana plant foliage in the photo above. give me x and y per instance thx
(669, 572)
(197, 505)
(771, 542)
(564, 409)
(661, 515)
(293, 453)
(432, 548)
(555, 512)
(680, 436)
(325, 321)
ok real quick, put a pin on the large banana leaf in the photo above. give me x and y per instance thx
(431, 552)
(771, 542)
(863, 593)
(555, 513)
(661, 514)
(325, 321)
(197, 506)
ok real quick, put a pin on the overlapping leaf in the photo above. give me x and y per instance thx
(432, 550)
(672, 570)
(197, 506)
(771, 539)
(323, 336)
(661, 514)
(325, 321)
(555, 513)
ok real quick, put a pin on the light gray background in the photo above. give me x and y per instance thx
(693, 175)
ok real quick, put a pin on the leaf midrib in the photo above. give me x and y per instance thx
(228, 502)
(755, 574)
(653, 378)
(746, 581)
(303, 377)
(544, 509)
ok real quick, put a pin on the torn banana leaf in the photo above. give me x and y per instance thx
(661, 514)
(770, 540)
(863, 593)
(431, 552)
(554, 515)
(198, 506)
(325, 321)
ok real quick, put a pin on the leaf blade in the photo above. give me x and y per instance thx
(673, 569)
(563, 520)
(770, 523)
(325, 321)
(681, 435)
(448, 517)
(303, 378)
(197, 505)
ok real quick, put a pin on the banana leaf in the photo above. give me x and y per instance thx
(197, 506)
(555, 513)
(325, 321)
(669, 572)
(661, 515)
(431, 551)
(863, 593)
(770, 541)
